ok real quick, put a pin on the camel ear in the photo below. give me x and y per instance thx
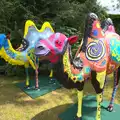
(72, 39)
(8, 35)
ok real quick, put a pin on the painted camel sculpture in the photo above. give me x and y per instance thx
(99, 56)
(26, 55)
(107, 27)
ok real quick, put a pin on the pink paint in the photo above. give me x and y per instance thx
(111, 29)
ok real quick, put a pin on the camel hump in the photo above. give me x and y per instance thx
(32, 34)
(107, 25)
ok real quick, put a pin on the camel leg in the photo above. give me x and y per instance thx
(79, 112)
(51, 73)
(98, 80)
(80, 96)
(99, 100)
(27, 84)
(52, 80)
(116, 81)
(101, 79)
(104, 87)
(36, 74)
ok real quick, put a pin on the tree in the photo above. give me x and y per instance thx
(66, 16)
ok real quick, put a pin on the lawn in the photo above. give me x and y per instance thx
(16, 105)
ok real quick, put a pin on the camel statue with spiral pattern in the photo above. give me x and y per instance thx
(99, 56)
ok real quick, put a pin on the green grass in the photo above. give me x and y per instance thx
(16, 105)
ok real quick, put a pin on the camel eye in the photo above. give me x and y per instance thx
(58, 42)
(41, 48)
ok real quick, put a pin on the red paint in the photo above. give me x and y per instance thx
(72, 39)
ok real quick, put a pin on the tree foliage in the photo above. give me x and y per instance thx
(63, 14)
(116, 22)
(66, 16)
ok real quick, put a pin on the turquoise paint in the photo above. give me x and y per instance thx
(80, 77)
(103, 63)
(115, 50)
(87, 70)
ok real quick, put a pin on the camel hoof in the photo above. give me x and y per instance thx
(110, 108)
(78, 118)
(27, 87)
(52, 80)
(37, 88)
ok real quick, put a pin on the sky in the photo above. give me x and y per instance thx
(111, 5)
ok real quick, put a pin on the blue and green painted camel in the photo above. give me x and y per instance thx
(26, 55)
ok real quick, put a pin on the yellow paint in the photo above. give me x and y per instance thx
(113, 54)
(27, 82)
(101, 78)
(31, 62)
(31, 23)
(66, 63)
(67, 68)
(9, 59)
(11, 48)
(12, 61)
(99, 100)
(51, 73)
(80, 96)
(98, 25)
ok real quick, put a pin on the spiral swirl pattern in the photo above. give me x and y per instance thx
(95, 51)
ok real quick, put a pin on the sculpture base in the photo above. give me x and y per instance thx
(89, 110)
(45, 86)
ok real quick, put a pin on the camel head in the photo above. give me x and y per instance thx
(53, 47)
